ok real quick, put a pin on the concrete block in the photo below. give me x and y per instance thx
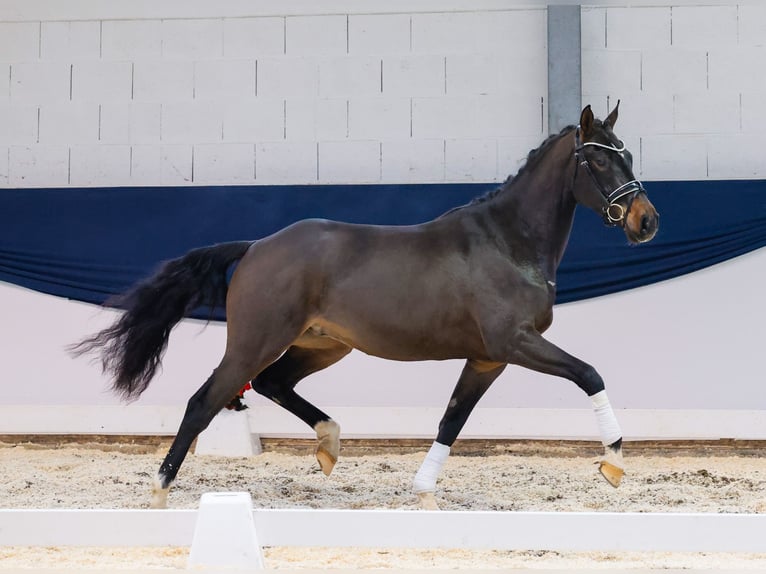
(176, 164)
(609, 72)
(711, 113)
(316, 119)
(261, 119)
(496, 74)
(163, 81)
(379, 118)
(40, 82)
(224, 79)
(349, 162)
(4, 156)
(100, 165)
(102, 81)
(70, 41)
(641, 113)
(505, 31)
(638, 27)
(753, 112)
(378, 34)
(592, 27)
(704, 27)
(131, 40)
(69, 123)
(287, 163)
(19, 41)
(5, 82)
(752, 25)
(19, 124)
(38, 166)
(736, 156)
(470, 160)
(138, 122)
(414, 76)
(413, 161)
(286, 77)
(229, 164)
(192, 39)
(349, 76)
(737, 69)
(672, 71)
(253, 37)
(512, 153)
(673, 157)
(192, 122)
(446, 33)
(316, 35)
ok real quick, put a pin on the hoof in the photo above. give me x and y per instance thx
(326, 460)
(613, 474)
(328, 447)
(427, 501)
(159, 495)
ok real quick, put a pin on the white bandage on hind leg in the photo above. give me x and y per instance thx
(608, 427)
(425, 479)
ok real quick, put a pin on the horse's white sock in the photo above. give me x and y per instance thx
(608, 427)
(425, 479)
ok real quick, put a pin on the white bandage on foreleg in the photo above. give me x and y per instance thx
(608, 427)
(425, 479)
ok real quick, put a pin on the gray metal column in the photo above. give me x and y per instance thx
(564, 67)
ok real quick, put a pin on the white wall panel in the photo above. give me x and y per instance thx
(100, 165)
(261, 119)
(311, 119)
(416, 161)
(223, 80)
(286, 162)
(69, 123)
(192, 39)
(379, 118)
(611, 71)
(4, 153)
(196, 121)
(18, 124)
(638, 28)
(737, 69)
(414, 75)
(349, 161)
(221, 163)
(674, 157)
(253, 37)
(316, 35)
(102, 82)
(286, 77)
(131, 40)
(733, 156)
(176, 164)
(674, 70)
(38, 82)
(710, 112)
(470, 160)
(350, 76)
(752, 24)
(159, 81)
(378, 34)
(137, 122)
(704, 27)
(70, 41)
(38, 166)
(19, 41)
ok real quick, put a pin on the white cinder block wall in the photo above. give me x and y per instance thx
(371, 92)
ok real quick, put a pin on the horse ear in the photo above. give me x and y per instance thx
(586, 120)
(611, 119)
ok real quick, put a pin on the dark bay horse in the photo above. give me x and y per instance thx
(477, 283)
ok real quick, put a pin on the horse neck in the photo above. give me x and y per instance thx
(536, 210)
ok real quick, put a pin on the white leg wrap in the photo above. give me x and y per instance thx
(608, 427)
(425, 479)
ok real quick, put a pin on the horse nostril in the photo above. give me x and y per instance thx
(646, 224)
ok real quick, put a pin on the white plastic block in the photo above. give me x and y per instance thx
(315, 35)
(611, 71)
(704, 27)
(229, 163)
(418, 161)
(138, 122)
(732, 69)
(253, 37)
(224, 79)
(470, 160)
(286, 77)
(713, 113)
(316, 119)
(673, 157)
(379, 118)
(40, 82)
(70, 41)
(413, 75)
(102, 81)
(253, 120)
(38, 166)
(378, 34)
(349, 76)
(19, 41)
(100, 165)
(637, 27)
(163, 81)
(349, 162)
(592, 27)
(228, 434)
(69, 123)
(752, 24)
(288, 163)
(19, 124)
(224, 534)
(131, 40)
(674, 70)
(192, 122)
(192, 39)
(736, 156)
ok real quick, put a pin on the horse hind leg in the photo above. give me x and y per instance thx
(277, 383)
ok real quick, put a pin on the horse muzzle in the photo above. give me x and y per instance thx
(641, 221)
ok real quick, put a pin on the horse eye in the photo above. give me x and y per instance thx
(600, 161)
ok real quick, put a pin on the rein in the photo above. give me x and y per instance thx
(613, 213)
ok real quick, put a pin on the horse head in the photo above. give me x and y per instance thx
(610, 188)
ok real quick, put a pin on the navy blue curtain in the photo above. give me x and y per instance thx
(89, 244)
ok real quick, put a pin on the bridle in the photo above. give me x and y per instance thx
(613, 213)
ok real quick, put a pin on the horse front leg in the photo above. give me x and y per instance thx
(473, 383)
(529, 349)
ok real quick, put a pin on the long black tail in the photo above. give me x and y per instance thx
(132, 348)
